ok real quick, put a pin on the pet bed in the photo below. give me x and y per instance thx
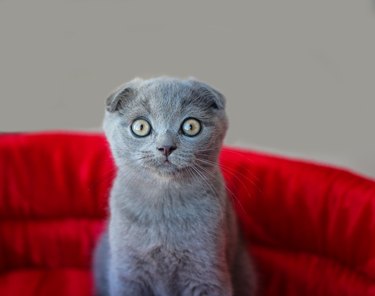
(310, 228)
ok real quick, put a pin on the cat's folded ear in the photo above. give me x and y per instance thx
(208, 93)
(121, 95)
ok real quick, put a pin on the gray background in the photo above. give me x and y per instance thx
(298, 75)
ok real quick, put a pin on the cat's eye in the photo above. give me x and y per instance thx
(140, 127)
(191, 127)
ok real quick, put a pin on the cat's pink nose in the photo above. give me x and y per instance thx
(167, 150)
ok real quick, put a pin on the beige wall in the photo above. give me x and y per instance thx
(299, 75)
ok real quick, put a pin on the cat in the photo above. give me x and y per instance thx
(172, 230)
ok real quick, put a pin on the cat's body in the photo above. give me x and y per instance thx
(172, 230)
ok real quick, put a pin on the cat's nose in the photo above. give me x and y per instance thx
(167, 150)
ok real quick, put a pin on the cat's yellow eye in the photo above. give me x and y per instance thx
(191, 127)
(140, 127)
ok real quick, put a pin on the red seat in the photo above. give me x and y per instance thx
(310, 228)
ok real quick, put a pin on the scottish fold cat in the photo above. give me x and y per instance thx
(172, 230)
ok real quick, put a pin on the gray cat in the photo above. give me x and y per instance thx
(172, 230)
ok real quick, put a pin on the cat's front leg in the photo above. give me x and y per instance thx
(200, 277)
(200, 289)
(120, 284)
(129, 288)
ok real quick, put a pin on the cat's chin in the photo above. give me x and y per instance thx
(167, 170)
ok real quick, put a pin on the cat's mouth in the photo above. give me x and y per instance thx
(166, 163)
(166, 167)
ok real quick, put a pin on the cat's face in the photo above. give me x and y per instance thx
(165, 127)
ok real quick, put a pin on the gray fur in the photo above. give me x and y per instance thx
(172, 229)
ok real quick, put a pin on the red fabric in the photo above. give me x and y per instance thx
(310, 228)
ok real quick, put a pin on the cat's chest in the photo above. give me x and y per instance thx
(168, 217)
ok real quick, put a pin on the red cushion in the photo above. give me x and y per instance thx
(311, 228)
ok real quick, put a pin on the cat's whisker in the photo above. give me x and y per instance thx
(204, 179)
(235, 173)
(232, 195)
(144, 157)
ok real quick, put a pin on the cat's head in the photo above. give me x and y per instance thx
(165, 127)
